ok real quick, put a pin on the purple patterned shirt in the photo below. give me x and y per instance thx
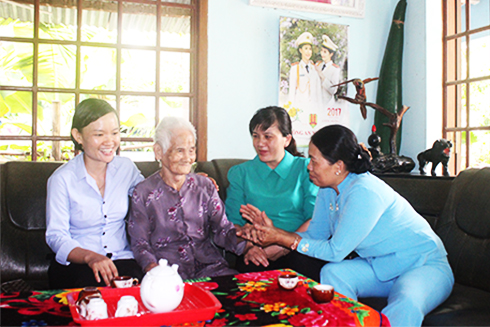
(183, 226)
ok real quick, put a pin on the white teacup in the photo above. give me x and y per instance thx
(288, 281)
(127, 306)
(124, 281)
(96, 309)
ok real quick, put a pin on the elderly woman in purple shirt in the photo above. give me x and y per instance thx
(177, 215)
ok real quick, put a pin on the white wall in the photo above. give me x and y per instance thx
(422, 77)
(243, 68)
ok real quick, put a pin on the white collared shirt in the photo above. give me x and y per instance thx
(78, 216)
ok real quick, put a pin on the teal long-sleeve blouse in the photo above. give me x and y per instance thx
(285, 193)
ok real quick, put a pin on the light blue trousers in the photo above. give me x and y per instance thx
(410, 296)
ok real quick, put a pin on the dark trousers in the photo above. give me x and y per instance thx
(303, 264)
(81, 275)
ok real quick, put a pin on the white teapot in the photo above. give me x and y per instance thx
(162, 288)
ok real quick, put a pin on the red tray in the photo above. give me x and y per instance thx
(197, 305)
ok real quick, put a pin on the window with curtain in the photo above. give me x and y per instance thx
(466, 82)
(142, 56)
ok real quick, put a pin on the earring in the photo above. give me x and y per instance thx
(337, 172)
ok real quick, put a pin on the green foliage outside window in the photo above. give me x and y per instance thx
(56, 69)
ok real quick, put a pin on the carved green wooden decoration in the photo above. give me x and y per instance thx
(389, 94)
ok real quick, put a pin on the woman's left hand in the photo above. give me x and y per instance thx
(102, 266)
(267, 234)
(264, 233)
(248, 233)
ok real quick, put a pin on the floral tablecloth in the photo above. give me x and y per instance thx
(252, 299)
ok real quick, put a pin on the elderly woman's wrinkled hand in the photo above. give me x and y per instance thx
(263, 233)
(267, 233)
(257, 256)
(244, 231)
(247, 232)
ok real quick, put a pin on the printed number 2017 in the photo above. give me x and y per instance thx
(334, 111)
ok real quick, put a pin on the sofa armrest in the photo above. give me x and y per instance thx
(25, 254)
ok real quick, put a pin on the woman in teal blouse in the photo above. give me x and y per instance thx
(275, 181)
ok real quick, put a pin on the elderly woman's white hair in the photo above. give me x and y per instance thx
(166, 130)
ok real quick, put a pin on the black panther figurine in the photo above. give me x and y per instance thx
(438, 154)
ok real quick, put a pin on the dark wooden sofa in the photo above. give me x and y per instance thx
(458, 209)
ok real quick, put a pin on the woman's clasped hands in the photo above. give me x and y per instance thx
(261, 231)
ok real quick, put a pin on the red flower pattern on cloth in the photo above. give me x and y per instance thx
(240, 304)
(219, 322)
(265, 275)
(247, 316)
